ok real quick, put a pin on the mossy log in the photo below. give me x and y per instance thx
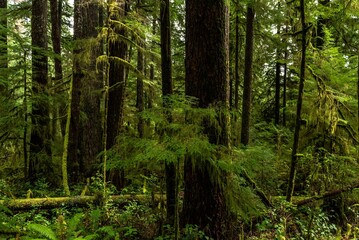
(326, 195)
(76, 201)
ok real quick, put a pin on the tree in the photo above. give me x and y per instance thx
(294, 155)
(78, 75)
(117, 51)
(167, 90)
(206, 79)
(40, 164)
(247, 90)
(90, 126)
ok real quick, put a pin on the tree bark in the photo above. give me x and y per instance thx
(207, 80)
(294, 160)
(248, 78)
(236, 64)
(167, 90)
(140, 104)
(117, 50)
(78, 75)
(40, 164)
(3, 40)
(277, 84)
(90, 128)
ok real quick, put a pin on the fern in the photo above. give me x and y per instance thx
(43, 230)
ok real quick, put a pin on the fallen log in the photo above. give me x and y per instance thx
(326, 195)
(76, 201)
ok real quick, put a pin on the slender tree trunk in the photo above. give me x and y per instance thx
(117, 49)
(358, 93)
(207, 79)
(26, 116)
(167, 90)
(284, 120)
(236, 64)
(56, 9)
(40, 164)
(277, 85)
(140, 95)
(78, 75)
(294, 160)
(56, 14)
(3, 41)
(247, 91)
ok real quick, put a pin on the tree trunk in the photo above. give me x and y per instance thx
(277, 84)
(248, 65)
(140, 94)
(236, 64)
(284, 119)
(117, 84)
(56, 14)
(78, 75)
(91, 126)
(3, 42)
(40, 164)
(167, 90)
(294, 159)
(206, 79)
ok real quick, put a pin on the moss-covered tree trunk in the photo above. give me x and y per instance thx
(91, 125)
(248, 78)
(117, 49)
(40, 164)
(294, 159)
(206, 79)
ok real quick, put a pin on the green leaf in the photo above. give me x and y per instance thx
(43, 230)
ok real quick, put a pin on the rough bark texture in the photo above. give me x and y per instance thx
(248, 65)
(294, 159)
(117, 50)
(56, 8)
(167, 90)
(206, 79)
(90, 127)
(40, 164)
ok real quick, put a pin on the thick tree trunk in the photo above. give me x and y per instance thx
(90, 128)
(40, 164)
(294, 159)
(206, 79)
(117, 49)
(248, 65)
(167, 90)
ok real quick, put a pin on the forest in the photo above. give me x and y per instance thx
(179, 119)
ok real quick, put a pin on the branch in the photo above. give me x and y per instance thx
(326, 195)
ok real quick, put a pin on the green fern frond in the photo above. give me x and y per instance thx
(43, 230)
